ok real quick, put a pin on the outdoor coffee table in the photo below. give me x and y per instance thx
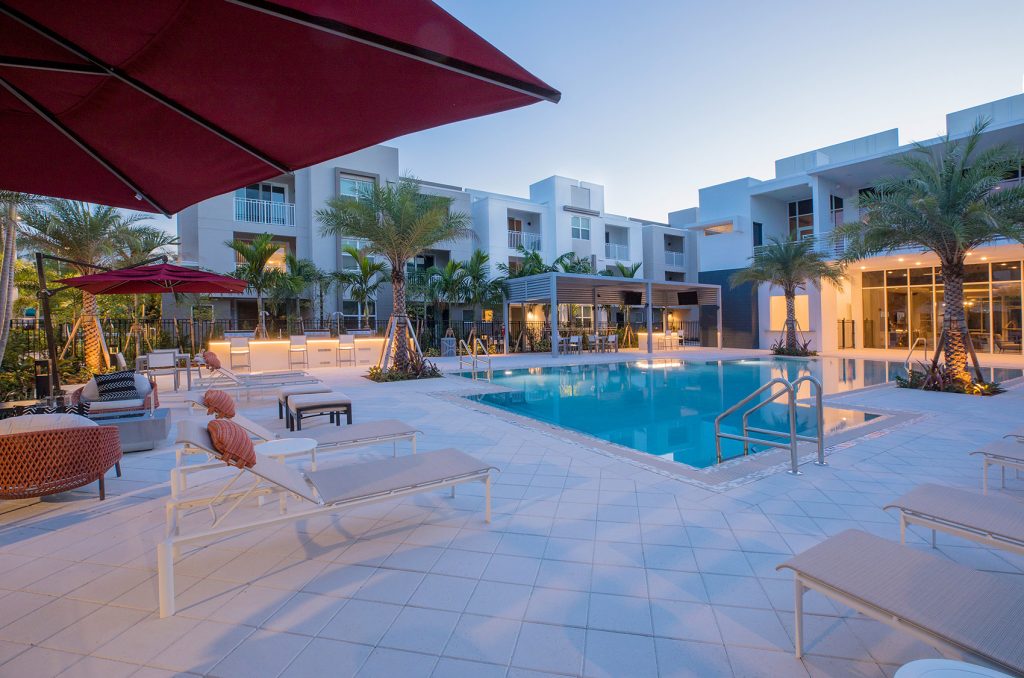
(138, 430)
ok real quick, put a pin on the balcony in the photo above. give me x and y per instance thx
(528, 241)
(675, 259)
(821, 243)
(265, 212)
(614, 251)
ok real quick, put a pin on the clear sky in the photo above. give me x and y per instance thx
(660, 98)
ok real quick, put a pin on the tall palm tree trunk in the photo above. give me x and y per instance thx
(91, 329)
(790, 320)
(261, 321)
(401, 330)
(954, 347)
(7, 276)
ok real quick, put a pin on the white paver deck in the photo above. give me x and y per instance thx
(592, 566)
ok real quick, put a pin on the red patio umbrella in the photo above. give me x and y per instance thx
(157, 105)
(156, 279)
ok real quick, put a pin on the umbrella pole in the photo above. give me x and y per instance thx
(51, 341)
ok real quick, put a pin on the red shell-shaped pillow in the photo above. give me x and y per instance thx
(219, 403)
(211, 360)
(232, 442)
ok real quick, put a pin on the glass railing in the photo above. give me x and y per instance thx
(613, 251)
(675, 259)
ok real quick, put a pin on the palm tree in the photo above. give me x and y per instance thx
(399, 222)
(531, 264)
(570, 262)
(84, 234)
(790, 265)
(10, 204)
(296, 278)
(623, 271)
(947, 200)
(135, 243)
(481, 289)
(447, 286)
(321, 282)
(363, 281)
(253, 269)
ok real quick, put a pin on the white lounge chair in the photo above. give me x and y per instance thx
(937, 601)
(995, 521)
(226, 378)
(1003, 453)
(319, 491)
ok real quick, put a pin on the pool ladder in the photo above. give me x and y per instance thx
(785, 439)
(471, 356)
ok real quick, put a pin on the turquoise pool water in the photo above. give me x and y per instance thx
(668, 407)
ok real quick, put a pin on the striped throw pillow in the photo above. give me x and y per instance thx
(219, 403)
(232, 442)
(117, 386)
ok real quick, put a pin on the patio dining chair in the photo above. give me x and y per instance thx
(347, 345)
(575, 343)
(299, 350)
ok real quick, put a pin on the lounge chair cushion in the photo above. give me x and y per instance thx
(283, 394)
(995, 515)
(367, 479)
(977, 611)
(232, 442)
(319, 402)
(101, 406)
(1006, 449)
(42, 422)
(118, 385)
(211, 360)
(219, 403)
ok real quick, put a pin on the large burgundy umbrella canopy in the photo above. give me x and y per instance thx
(156, 279)
(159, 104)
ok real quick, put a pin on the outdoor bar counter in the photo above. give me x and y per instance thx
(269, 355)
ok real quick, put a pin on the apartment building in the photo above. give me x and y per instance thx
(557, 215)
(887, 302)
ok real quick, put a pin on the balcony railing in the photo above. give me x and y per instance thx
(613, 251)
(265, 211)
(821, 243)
(528, 241)
(675, 259)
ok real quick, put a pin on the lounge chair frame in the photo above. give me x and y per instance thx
(909, 516)
(169, 548)
(991, 457)
(804, 582)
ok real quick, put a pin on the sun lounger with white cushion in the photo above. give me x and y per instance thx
(995, 521)
(226, 378)
(320, 492)
(945, 604)
(1003, 453)
(332, 438)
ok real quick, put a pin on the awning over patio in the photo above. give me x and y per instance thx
(597, 290)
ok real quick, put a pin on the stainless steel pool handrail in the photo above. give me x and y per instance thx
(910, 353)
(789, 438)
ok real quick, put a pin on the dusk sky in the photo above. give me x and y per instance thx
(661, 98)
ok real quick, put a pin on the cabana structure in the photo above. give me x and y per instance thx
(599, 290)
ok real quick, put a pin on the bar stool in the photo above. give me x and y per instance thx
(239, 346)
(347, 342)
(298, 348)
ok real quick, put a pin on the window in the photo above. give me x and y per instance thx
(277, 259)
(801, 219)
(420, 263)
(581, 228)
(758, 233)
(355, 187)
(835, 208)
(264, 191)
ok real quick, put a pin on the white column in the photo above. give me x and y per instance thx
(554, 315)
(505, 311)
(650, 320)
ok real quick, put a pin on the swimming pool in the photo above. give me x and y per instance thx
(667, 408)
